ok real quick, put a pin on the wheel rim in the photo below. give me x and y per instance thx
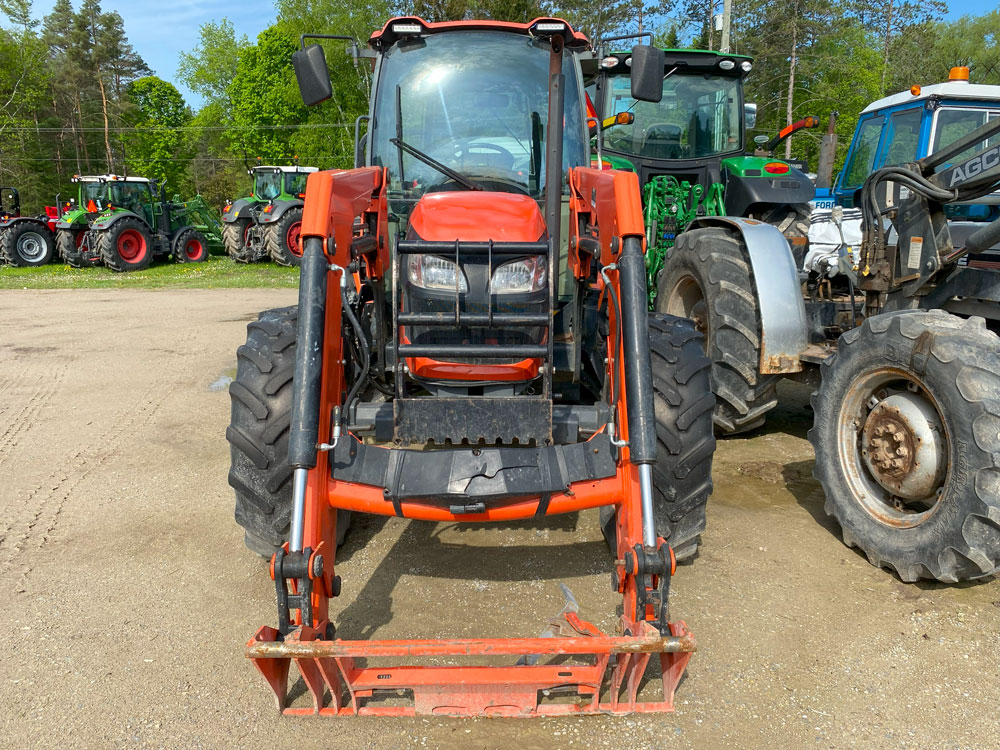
(292, 239)
(193, 249)
(31, 246)
(687, 300)
(894, 446)
(131, 246)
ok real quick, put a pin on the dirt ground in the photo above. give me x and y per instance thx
(126, 594)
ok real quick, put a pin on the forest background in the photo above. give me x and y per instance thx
(77, 98)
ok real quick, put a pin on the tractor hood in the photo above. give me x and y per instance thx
(477, 216)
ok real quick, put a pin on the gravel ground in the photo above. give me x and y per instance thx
(126, 594)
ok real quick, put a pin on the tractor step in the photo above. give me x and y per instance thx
(518, 691)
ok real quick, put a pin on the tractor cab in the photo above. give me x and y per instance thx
(913, 124)
(279, 183)
(689, 149)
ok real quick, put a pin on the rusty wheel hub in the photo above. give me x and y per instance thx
(903, 446)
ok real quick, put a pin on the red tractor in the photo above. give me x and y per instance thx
(472, 344)
(25, 240)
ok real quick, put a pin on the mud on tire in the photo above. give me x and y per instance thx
(261, 398)
(954, 364)
(685, 443)
(712, 264)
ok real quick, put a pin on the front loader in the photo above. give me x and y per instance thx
(472, 344)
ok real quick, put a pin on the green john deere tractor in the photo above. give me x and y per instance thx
(689, 149)
(704, 192)
(124, 222)
(268, 221)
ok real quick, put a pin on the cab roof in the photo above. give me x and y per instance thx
(946, 90)
(292, 170)
(108, 178)
(405, 26)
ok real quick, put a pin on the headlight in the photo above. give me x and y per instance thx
(432, 272)
(529, 275)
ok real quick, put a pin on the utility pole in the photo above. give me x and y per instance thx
(727, 22)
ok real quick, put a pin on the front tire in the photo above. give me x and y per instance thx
(190, 246)
(907, 441)
(126, 246)
(706, 277)
(27, 244)
(282, 238)
(258, 432)
(683, 404)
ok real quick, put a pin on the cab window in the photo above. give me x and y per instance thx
(865, 148)
(903, 137)
(953, 124)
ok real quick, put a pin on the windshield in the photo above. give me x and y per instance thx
(92, 191)
(953, 124)
(698, 116)
(476, 102)
(267, 185)
(295, 182)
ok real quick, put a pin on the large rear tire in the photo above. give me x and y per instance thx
(258, 432)
(27, 244)
(234, 237)
(706, 277)
(907, 440)
(282, 238)
(126, 245)
(683, 404)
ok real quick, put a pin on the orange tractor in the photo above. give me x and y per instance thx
(472, 344)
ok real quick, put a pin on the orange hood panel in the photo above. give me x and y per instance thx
(477, 216)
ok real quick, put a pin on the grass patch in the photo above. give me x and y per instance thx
(217, 272)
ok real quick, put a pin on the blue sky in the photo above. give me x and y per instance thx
(161, 29)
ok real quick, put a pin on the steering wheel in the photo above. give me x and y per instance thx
(463, 147)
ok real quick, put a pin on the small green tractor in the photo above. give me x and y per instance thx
(124, 222)
(24, 240)
(268, 221)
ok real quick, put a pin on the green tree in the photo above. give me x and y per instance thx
(157, 148)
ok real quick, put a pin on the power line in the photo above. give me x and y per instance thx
(160, 129)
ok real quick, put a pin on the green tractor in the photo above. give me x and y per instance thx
(689, 149)
(25, 241)
(124, 222)
(702, 191)
(268, 221)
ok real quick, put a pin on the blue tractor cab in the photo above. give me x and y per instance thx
(910, 125)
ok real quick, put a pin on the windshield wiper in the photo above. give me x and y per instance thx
(431, 162)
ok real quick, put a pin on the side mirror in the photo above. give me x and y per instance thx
(749, 116)
(647, 73)
(312, 74)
